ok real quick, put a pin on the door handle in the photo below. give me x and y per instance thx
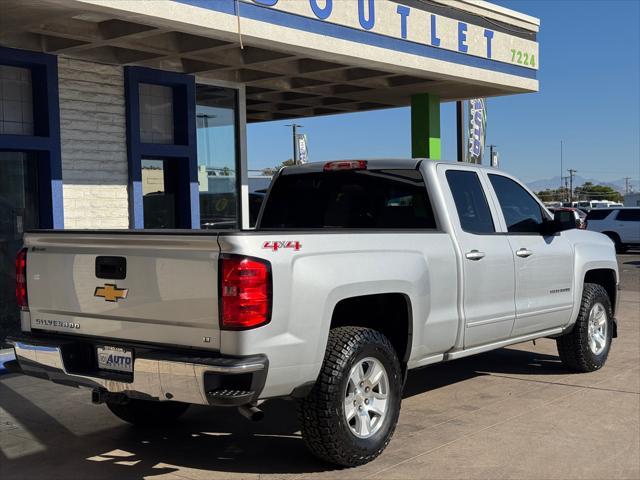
(474, 255)
(524, 253)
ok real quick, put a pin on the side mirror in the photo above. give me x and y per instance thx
(562, 220)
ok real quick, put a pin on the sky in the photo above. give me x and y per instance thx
(589, 98)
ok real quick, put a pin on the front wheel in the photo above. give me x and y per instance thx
(351, 413)
(147, 413)
(586, 347)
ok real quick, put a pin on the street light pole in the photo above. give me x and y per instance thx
(572, 172)
(561, 166)
(460, 130)
(294, 130)
(492, 161)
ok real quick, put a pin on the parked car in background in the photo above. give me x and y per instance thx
(579, 215)
(587, 204)
(622, 225)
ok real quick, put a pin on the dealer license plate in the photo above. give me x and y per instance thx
(115, 358)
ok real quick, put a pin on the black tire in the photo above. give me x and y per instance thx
(323, 423)
(573, 346)
(147, 413)
(615, 238)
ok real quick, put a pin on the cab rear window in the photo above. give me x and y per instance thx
(356, 199)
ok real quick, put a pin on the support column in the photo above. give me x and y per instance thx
(425, 126)
(242, 174)
(460, 130)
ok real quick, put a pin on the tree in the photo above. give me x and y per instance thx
(589, 191)
(270, 171)
(553, 195)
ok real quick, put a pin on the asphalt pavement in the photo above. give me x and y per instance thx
(511, 413)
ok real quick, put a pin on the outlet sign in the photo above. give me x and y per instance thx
(405, 22)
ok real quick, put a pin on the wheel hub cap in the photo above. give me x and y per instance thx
(597, 328)
(366, 397)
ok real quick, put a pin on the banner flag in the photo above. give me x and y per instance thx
(303, 150)
(477, 129)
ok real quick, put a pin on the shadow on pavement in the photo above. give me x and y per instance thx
(210, 439)
(505, 361)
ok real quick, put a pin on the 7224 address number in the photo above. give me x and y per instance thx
(523, 58)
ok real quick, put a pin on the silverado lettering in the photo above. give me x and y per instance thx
(56, 323)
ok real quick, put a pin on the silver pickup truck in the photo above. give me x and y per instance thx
(357, 271)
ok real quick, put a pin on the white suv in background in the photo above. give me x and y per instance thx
(622, 225)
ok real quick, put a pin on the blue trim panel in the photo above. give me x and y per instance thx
(312, 25)
(45, 143)
(4, 358)
(184, 151)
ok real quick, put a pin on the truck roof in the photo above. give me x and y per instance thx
(372, 163)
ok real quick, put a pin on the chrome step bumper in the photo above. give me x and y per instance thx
(158, 374)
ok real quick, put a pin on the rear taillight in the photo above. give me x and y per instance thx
(245, 292)
(21, 280)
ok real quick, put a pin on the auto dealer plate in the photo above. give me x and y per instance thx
(115, 359)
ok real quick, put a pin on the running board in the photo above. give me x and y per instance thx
(502, 343)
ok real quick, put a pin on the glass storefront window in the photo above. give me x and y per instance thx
(217, 156)
(158, 194)
(18, 212)
(16, 101)
(156, 114)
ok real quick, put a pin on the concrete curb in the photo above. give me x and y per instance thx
(6, 355)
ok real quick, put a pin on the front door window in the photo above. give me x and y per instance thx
(521, 212)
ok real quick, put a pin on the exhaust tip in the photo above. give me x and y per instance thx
(251, 412)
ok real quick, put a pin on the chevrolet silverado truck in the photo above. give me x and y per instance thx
(356, 272)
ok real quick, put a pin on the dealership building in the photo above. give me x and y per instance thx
(133, 113)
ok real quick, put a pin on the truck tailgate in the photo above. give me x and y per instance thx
(169, 293)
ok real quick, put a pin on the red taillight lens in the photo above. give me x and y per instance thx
(245, 292)
(21, 279)
(345, 165)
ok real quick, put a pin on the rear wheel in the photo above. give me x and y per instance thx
(586, 347)
(147, 412)
(351, 413)
(615, 238)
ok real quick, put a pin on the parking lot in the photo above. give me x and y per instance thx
(512, 413)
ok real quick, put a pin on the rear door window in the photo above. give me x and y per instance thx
(471, 202)
(369, 199)
(628, 215)
(598, 214)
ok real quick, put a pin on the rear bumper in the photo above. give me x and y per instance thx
(158, 373)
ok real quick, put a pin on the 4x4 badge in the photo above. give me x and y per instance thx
(110, 292)
(278, 245)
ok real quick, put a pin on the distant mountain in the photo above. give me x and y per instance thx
(553, 183)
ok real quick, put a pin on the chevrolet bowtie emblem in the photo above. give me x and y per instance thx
(110, 292)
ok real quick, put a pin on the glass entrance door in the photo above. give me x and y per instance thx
(217, 156)
(18, 212)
